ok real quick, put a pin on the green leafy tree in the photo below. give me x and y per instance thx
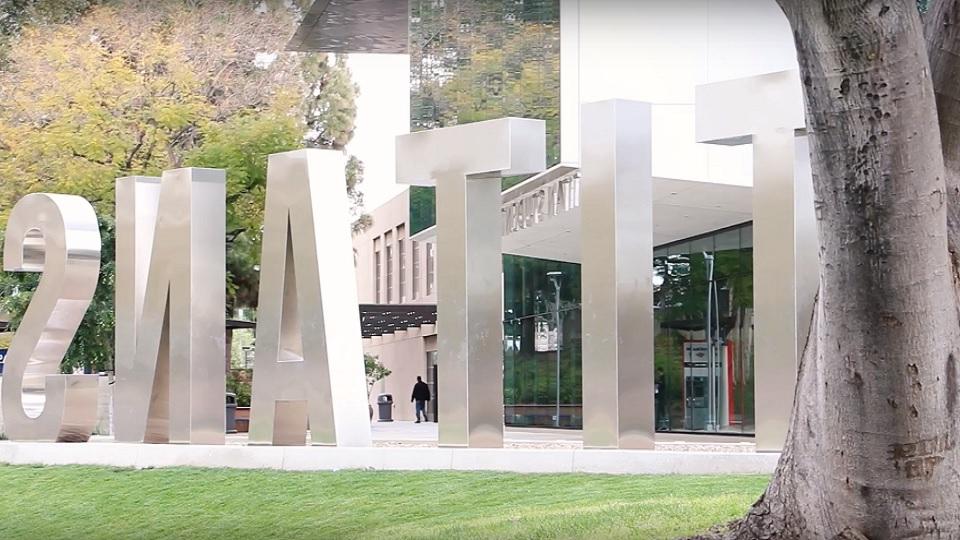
(354, 175)
(329, 108)
(240, 383)
(133, 88)
(241, 146)
(15, 14)
(329, 111)
(375, 371)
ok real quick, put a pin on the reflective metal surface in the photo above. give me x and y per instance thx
(617, 279)
(309, 356)
(466, 164)
(353, 26)
(137, 199)
(57, 235)
(767, 111)
(170, 298)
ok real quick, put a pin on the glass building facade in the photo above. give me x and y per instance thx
(538, 293)
(473, 60)
(703, 312)
(703, 307)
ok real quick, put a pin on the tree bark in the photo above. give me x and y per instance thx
(871, 452)
(942, 31)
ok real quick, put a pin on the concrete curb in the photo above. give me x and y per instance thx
(321, 458)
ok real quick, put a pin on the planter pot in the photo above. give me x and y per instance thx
(243, 419)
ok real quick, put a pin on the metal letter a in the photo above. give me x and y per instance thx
(309, 357)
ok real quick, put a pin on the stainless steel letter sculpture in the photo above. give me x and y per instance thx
(309, 356)
(466, 164)
(617, 245)
(767, 111)
(57, 235)
(170, 308)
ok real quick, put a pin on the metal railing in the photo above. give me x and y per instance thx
(533, 202)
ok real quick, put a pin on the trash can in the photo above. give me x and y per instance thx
(385, 404)
(231, 412)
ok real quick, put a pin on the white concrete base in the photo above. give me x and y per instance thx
(319, 458)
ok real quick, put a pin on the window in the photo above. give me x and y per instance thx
(432, 381)
(415, 254)
(431, 266)
(431, 364)
(388, 242)
(376, 276)
(402, 257)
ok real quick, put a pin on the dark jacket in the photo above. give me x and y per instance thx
(421, 392)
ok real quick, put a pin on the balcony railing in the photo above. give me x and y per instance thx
(540, 198)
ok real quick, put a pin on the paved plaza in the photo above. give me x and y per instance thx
(407, 446)
(403, 445)
(424, 435)
(412, 434)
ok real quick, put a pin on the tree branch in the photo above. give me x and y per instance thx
(243, 191)
(149, 155)
(233, 234)
(942, 33)
(128, 163)
(107, 162)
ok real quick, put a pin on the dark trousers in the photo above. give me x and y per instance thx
(421, 408)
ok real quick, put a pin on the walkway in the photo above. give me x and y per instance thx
(411, 434)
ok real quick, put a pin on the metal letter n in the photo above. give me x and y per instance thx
(170, 297)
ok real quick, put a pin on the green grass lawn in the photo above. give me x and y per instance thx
(87, 502)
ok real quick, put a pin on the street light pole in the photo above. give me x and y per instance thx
(555, 278)
(711, 355)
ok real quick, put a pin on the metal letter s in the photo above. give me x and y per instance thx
(57, 235)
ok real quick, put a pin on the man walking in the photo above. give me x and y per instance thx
(421, 395)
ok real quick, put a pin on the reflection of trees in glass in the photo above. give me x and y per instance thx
(530, 376)
(473, 60)
(685, 281)
(680, 298)
(481, 59)
(518, 77)
(528, 290)
(667, 358)
(423, 208)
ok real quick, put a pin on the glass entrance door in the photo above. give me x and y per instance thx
(432, 382)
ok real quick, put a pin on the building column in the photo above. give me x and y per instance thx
(466, 164)
(767, 111)
(469, 293)
(617, 275)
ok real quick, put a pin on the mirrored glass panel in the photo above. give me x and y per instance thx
(703, 344)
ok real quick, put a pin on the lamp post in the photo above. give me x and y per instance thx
(712, 355)
(555, 277)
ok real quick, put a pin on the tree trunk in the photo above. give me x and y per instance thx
(871, 451)
(942, 31)
(229, 352)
